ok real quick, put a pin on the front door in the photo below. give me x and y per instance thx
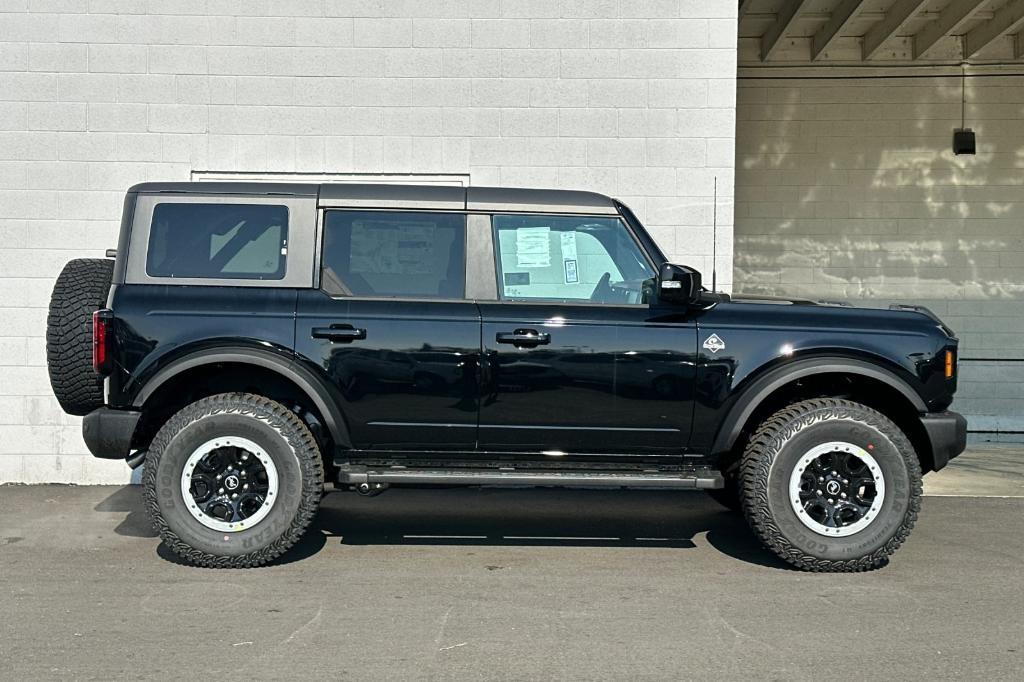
(576, 361)
(391, 327)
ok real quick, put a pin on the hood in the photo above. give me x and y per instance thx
(882, 313)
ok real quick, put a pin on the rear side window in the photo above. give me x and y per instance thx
(218, 241)
(400, 255)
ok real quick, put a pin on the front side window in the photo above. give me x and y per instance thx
(218, 241)
(570, 259)
(394, 254)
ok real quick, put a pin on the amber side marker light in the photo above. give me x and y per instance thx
(949, 364)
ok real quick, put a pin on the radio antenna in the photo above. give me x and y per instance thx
(714, 241)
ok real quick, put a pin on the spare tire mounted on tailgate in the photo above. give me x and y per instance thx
(81, 290)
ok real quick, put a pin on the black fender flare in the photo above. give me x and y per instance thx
(316, 388)
(775, 379)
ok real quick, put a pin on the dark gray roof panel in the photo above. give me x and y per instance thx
(283, 188)
(508, 199)
(424, 197)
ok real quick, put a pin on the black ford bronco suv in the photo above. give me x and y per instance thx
(248, 341)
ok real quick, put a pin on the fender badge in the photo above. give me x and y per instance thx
(714, 343)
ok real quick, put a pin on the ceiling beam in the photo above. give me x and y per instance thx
(833, 28)
(895, 19)
(772, 38)
(948, 21)
(1004, 21)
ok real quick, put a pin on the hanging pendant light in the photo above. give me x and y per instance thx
(964, 141)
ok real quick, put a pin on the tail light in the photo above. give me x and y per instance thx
(102, 334)
(950, 364)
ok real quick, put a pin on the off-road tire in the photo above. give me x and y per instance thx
(774, 451)
(81, 290)
(729, 496)
(286, 440)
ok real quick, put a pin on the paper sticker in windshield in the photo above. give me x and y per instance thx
(571, 274)
(533, 247)
(568, 240)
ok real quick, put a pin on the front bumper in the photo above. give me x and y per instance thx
(108, 433)
(947, 433)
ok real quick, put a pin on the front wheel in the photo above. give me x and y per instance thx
(232, 481)
(830, 485)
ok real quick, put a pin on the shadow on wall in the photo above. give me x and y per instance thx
(849, 190)
(875, 207)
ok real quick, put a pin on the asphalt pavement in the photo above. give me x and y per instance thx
(514, 584)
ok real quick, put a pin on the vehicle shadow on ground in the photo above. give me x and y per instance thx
(536, 517)
(503, 517)
(128, 499)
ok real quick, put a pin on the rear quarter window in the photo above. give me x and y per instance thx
(218, 241)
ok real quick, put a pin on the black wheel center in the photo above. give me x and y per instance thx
(229, 484)
(836, 489)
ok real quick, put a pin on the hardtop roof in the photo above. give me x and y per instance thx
(422, 197)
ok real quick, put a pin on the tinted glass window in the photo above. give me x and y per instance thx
(218, 241)
(407, 255)
(569, 258)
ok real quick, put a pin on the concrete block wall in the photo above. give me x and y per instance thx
(848, 189)
(634, 98)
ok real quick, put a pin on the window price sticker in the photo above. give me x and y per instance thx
(533, 247)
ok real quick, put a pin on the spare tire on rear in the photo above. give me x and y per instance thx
(81, 290)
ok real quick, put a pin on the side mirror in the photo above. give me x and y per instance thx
(678, 284)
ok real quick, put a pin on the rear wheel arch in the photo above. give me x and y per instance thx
(204, 373)
(867, 383)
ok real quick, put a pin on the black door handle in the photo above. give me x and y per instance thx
(524, 337)
(339, 333)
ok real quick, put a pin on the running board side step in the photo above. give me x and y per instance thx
(697, 479)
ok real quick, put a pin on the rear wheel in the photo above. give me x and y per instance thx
(81, 289)
(831, 485)
(232, 481)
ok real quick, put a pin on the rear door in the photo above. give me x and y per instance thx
(391, 326)
(577, 361)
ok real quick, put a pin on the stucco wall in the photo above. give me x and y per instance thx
(634, 99)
